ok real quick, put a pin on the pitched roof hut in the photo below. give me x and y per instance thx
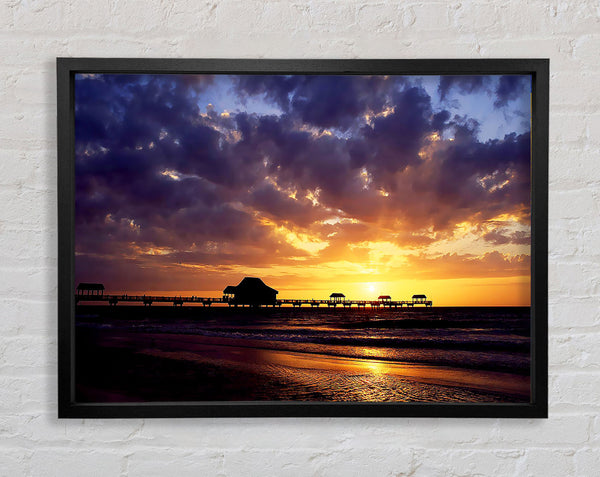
(384, 298)
(337, 297)
(251, 291)
(419, 298)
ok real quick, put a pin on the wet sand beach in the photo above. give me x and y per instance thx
(125, 366)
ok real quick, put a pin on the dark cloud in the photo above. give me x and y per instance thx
(510, 88)
(462, 83)
(337, 101)
(275, 89)
(439, 120)
(323, 101)
(395, 140)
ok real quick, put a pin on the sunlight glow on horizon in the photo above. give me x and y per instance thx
(508, 291)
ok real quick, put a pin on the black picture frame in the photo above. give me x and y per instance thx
(69, 408)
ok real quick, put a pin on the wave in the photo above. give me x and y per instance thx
(496, 339)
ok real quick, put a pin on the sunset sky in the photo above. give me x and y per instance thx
(391, 185)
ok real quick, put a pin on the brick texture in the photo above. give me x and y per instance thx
(33, 442)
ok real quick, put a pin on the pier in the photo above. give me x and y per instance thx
(250, 292)
(148, 300)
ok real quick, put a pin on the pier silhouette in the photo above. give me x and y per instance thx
(251, 292)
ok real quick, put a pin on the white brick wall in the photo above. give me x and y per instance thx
(33, 33)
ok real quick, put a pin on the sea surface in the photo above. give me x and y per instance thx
(316, 351)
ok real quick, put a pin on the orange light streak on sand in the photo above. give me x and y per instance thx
(252, 357)
(488, 380)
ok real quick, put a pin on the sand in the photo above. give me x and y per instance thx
(120, 366)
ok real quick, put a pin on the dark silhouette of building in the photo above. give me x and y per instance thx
(250, 291)
(419, 298)
(337, 297)
(384, 298)
(90, 289)
(229, 293)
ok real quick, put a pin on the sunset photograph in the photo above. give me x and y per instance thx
(302, 238)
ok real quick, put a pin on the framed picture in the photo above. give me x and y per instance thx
(302, 237)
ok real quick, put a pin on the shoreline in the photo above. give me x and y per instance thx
(130, 366)
(413, 354)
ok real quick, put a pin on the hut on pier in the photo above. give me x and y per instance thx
(250, 291)
(337, 297)
(384, 298)
(90, 289)
(419, 298)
